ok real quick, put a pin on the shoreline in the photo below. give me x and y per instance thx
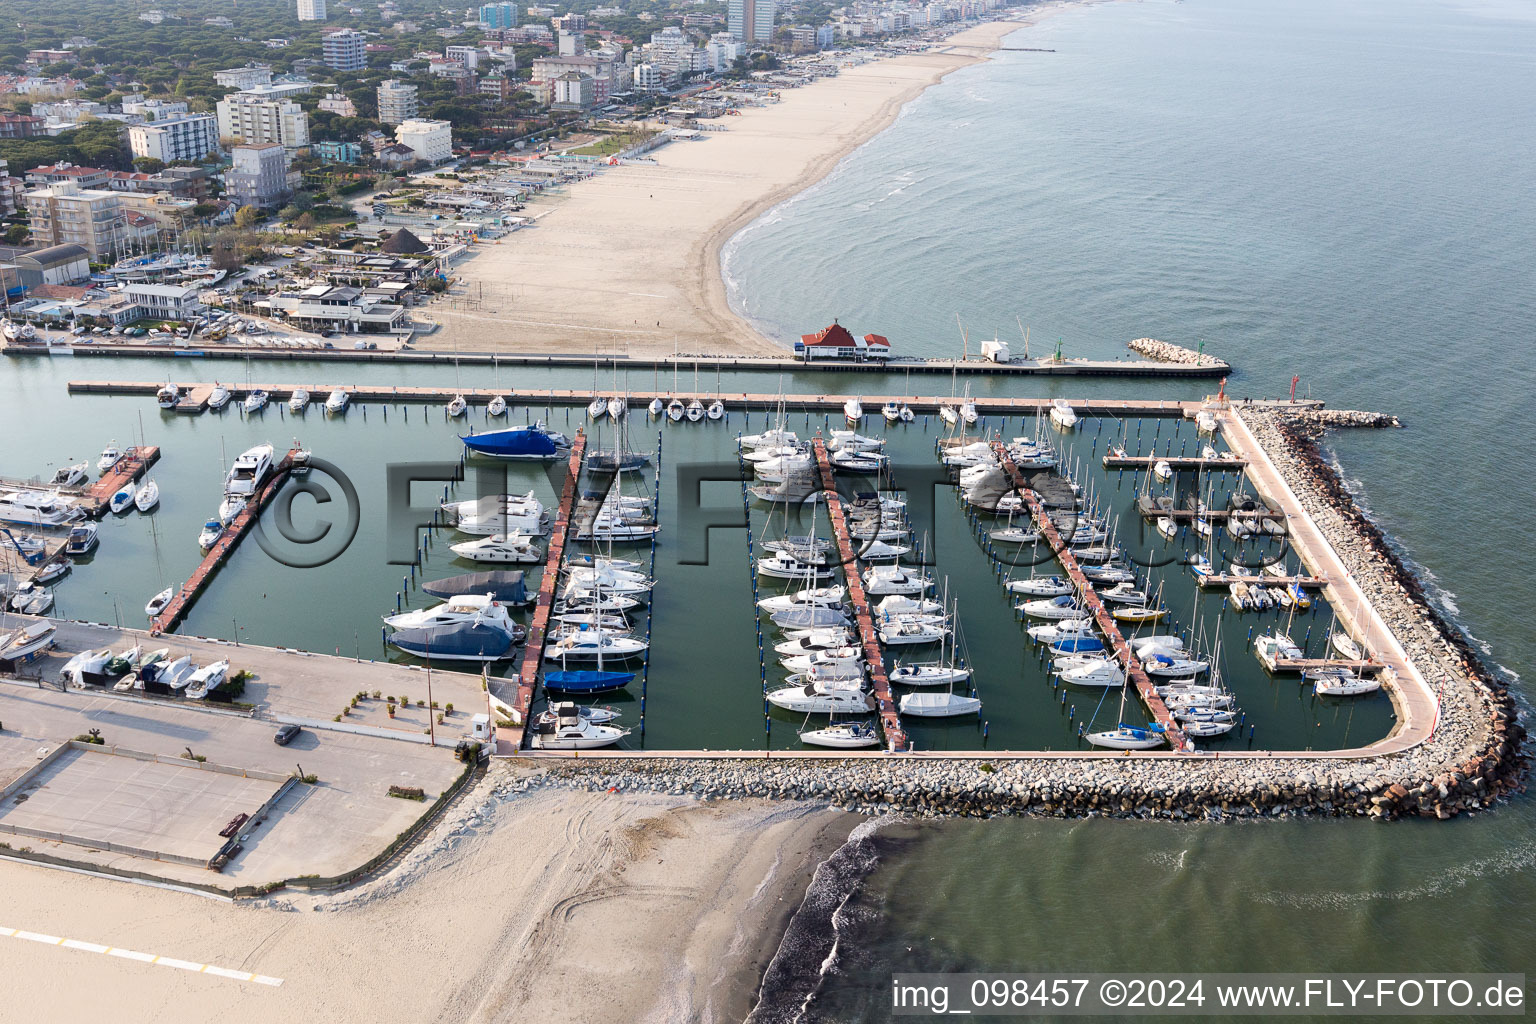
(642, 242)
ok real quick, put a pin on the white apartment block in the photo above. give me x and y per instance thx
(177, 137)
(249, 119)
(312, 10)
(66, 214)
(432, 141)
(397, 102)
(247, 77)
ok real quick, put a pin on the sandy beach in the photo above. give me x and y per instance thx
(546, 905)
(629, 261)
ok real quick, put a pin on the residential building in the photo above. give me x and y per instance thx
(165, 301)
(572, 91)
(599, 67)
(135, 181)
(338, 103)
(177, 137)
(194, 181)
(247, 77)
(259, 174)
(500, 15)
(21, 126)
(66, 214)
(54, 174)
(826, 36)
(395, 156)
(312, 10)
(572, 23)
(345, 49)
(249, 119)
(469, 56)
(10, 190)
(647, 78)
(750, 20)
(338, 152)
(497, 86)
(397, 102)
(572, 44)
(280, 89)
(151, 110)
(40, 58)
(802, 38)
(431, 141)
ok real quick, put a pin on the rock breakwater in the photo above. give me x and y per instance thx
(1168, 352)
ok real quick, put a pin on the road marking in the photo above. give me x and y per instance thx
(147, 958)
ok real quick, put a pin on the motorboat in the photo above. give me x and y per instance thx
(213, 529)
(37, 508)
(585, 682)
(880, 551)
(785, 566)
(526, 443)
(907, 631)
(148, 497)
(844, 461)
(1128, 737)
(832, 663)
(675, 410)
(929, 675)
(337, 400)
(1051, 632)
(853, 411)
(83, 538)
(932, 704)
(814, 698)
(458, 641)
(111, 455)
(298, 401)
(617, 408)
(833, 595)
(86, 663)
(1272, 648)
(219, 397)
(497, 406)
(1063, 607)
(300, 460)
(206, 679)
(51, 571)
(28, 545)
(695, 411)
(775, 438)
(616, 623)
(889, 609)
(127, 661)
(167, 397)
(843, 735)
(256, 401)
(492, 505)
(31, 598)
(1205, 421)
(508, 586)
(883, 580)
(568, 726)
(598, 407)
(123, 499)
(71, 476)
(593, 644)
(250, 471)
(1162, 470)
(27, 642)
(1134, 614)
(481, 609)
(1037, 586)
(891, 411)
(1124, 593)
(815, 640)
(457, 407)
(1062, 414)
(158, 603)
(615, 581)
(513, 548)
(1093, 673)
(606, 527)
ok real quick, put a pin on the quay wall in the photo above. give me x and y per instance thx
(1471, 759)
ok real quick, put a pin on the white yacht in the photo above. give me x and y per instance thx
(593, 645)
(716, 410)
(694, 411)
(250, 471)
(832, 595)
(1205, 420)
(209, 677)
(569, 726)
(824, 639)
(122, 501)
(213, 529)
(929, 675)
(853, 411)
(1063, 607)
(884, 580)
(891, 411)
(148, 497)
(83, 538)
(1345, 686)
(675, 410)
(910, 631)
(71, 476)
(457, 407)
(230, 508)
(787, 567)
(1271, 648)
(607, 581)
(110, 456)
(25, 643)
(513, 548)
(1062, 414)
(37, 508)
(812, 698)
(843, 735)
(606, 527)
(1128, 737)
(299, 400)
(1040, 586)
(497, 406)
(158, 603)
(516, 505)
(598, 407)
(775, 438)
(256, 401)
(480, 609)
(336, 401)
(529, 520)
(167, 397)
(219, 397)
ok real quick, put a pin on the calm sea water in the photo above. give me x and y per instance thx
(1339, 191)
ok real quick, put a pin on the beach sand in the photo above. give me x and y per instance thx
(549, 905)
(629, 260)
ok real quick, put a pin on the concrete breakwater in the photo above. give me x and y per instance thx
(1471, 759)
(1168, 352)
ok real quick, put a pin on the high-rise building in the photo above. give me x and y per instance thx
(311, 10)
(431, 141)
(259, 175)
(397, 101)
(248, 118)
(499, 16)
(345, 49)
(751, 20)
(66, 214)
(175, 137)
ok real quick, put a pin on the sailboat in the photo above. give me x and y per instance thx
(497, 406)
(843, 735)
(148, 497)
(123, 499)
(457, 407)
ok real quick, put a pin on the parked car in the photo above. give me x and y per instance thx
(286, 735)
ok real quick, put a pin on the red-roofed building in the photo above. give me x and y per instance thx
(835, 342)
(21, 126)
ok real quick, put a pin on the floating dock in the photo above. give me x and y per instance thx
(1311, 664)
(1101, 615)
(129, 469)
(1177, 463)
(195, 399)
(890, 721)
(538, 625)
(174, 612)
(1216, 580)
(1149, 508)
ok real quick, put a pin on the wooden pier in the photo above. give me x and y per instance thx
(1152, 510)
(890, 721)
(195, 399)
(1311, 664)
(543, 608)
(174, 612)
(735, 401)
(1090, 599)
(1217, 580)
(128, 470)
(1177, 463)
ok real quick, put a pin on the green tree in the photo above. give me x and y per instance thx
(246, 217)
(148, 164)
